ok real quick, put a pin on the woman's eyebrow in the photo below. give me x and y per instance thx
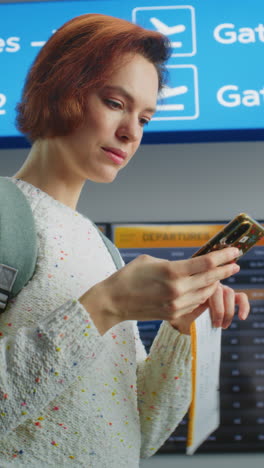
(127, 95)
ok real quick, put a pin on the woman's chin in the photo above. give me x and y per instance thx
(105, 178)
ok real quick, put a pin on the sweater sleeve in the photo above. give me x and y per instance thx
(38, 364)
(164, 386)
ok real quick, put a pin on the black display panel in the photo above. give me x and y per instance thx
(242, 357)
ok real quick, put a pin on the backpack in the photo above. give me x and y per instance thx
(18, 242)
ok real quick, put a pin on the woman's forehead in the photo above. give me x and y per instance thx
(135, 73)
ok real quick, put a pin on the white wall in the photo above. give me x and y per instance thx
(187, 182)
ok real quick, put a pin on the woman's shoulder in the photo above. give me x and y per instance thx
(45, 206)
(33, 195)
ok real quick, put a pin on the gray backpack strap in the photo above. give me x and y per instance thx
(18, 241)
(114, 252)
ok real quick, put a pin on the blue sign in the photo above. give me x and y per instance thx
(215, 89)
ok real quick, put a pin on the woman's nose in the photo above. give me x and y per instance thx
(129, 129)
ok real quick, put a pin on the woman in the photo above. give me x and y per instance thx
(77, 388)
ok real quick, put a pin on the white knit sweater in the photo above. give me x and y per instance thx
(69, 396)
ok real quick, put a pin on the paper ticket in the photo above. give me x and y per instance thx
(204, 414)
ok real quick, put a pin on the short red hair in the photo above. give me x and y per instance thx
(81, 55)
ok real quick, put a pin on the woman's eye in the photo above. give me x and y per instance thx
(114, 104)
(144, 122)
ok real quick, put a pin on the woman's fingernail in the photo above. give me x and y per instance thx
(236, 267)
(217, 323)
(226, 325)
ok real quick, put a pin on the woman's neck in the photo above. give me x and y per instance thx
(45, 170)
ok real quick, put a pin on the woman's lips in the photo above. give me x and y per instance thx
(115, 154)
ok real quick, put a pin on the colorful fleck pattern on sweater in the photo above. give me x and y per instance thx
(69, 396)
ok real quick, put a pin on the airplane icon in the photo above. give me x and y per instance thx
(168, 30)
(168, 92)
(179, 100)
(175, 22)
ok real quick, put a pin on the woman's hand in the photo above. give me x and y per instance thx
(222, 308)
(153, 289)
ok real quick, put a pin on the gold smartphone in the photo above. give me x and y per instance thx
(242, 232)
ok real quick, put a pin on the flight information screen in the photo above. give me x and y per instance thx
(215, 73)
(242, 352)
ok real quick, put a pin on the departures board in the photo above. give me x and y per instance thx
(242, 355)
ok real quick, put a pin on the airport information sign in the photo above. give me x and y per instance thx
(215, 71)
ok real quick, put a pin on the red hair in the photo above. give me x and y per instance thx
(81, 55)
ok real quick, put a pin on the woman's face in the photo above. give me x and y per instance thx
(115, 118)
